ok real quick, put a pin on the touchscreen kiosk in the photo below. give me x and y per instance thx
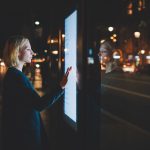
(70, 97)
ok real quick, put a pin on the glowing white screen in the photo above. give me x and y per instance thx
(70, 60)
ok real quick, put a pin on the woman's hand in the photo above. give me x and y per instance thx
(64, 80)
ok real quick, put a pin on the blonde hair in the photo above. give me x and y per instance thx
(11, 49)
(107, 45)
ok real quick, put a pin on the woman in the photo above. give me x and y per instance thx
(22, 125)
(106, 54)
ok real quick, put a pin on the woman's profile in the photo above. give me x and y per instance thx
(22, 125)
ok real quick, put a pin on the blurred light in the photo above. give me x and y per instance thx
(137, 34)
(102, 41)
(137, 57)
(52, 41)
(55, 52)
(45, 51)
(2, 63)
(37, 22)
(142, 51)
(111, 37)
(43, 59)
(105, 58)
(130, 12)
(65, 49)
(130, 9)
(114, 35)
(37, 65)
(37, 70)
(110, 29)
(116, 57)
(35, 54)
(90, 51)
(55, 40)
(147, 57)
(48, 40)
(128, 68)
(37, 60)
(114, 40)
(63, 35)
(130, 57)
(90, 60)
(141, 5)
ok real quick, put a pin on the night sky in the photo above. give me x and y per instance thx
(19, 15)
(15, 13)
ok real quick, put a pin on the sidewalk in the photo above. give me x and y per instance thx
(114, 135)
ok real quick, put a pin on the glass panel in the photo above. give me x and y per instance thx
(123, 41)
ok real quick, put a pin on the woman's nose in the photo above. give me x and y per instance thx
(32, 52)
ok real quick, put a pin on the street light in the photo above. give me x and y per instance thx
(137, 34)
(110, 29)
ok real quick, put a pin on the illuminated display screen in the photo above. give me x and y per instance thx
(70, 97)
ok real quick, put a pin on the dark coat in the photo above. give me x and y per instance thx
(22, 125)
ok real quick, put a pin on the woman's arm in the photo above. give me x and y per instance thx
(26, 94)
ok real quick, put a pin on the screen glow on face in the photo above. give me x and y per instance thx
(71, 60)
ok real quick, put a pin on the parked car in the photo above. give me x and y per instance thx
(129, 67)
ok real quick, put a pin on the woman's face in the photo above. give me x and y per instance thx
(25, 55)
(105, 55)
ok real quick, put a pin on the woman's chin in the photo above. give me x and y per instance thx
(29, 61)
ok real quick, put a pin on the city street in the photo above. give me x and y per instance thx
(125, 101)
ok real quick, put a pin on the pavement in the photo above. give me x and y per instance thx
(115, 134)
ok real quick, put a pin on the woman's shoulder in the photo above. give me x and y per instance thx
(14, 74)
(12, 71)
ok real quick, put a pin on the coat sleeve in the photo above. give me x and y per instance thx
(26, 95)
